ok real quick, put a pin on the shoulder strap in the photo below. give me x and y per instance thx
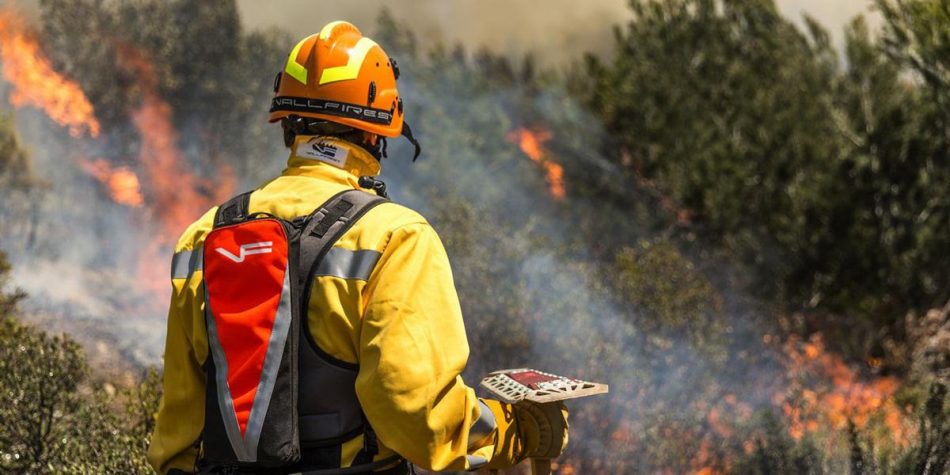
(233, 210)
(327, 224)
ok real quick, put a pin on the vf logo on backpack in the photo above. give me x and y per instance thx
(264, 247)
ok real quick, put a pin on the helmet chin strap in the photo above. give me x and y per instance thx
(407, 133)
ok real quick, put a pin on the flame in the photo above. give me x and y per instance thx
(36, 83)
(176, 192)
(826, 393)
(123, 184)
(703, 459)
(531, 144)
(177, 196)
(683, 215)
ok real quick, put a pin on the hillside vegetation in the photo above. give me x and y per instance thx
(740, 229)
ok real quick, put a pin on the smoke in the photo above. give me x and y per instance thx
(94, 254)
(556, 31)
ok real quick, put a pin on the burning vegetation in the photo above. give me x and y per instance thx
(531, 143)
(673, 287)
(175, 195)
(122, 184)
(826, 394)
(37, 84)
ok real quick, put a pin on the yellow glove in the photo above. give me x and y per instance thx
(527, 429)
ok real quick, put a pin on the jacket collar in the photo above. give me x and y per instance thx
(330, 157)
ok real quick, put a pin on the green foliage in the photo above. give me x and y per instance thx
(39, 377)
(15, 172)
(52, 419)
(883, 220)
(8, 298)
(775, 452)
(674, 300)
(916, 34)
(18, 183)
(930, 453)
(830, 184)
(730, 80)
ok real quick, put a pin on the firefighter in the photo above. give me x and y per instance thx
(383, 310)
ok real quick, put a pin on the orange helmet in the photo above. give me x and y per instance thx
(340, 76)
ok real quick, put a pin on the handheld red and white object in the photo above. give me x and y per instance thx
(515, 385)
(522, 385)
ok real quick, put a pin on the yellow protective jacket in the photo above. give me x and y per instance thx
(400, 322)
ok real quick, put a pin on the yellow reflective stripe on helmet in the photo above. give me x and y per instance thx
(325, 32)
(352, 68)
(295, 69)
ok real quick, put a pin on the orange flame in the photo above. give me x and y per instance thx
(703, 458)
(123, 184)
(531, 144)
(36, 83)
(177, 196)
(844, 398)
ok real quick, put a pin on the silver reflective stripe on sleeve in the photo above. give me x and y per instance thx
(475, 462)
(347, 264)
(185, 263)
(483, 427)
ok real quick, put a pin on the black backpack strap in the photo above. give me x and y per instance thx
(325, 226)
(233, 210)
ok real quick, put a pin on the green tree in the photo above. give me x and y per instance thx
(916, 34)
(217, 77)
(882, 223)
(830, 183)
(53, 419)
(15, 169)
(726, 105)
(18, 183)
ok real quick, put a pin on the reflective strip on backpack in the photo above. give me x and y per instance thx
(224, 394)
(275, 350)
(246, 447)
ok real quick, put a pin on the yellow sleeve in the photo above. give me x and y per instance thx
(412, 350)
(181, 413)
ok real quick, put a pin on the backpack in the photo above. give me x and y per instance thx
(258, 272)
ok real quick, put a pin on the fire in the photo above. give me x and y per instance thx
(176, 192)
(123, 184)
(177, 196)
(826, 393)
(531, 144)
(703, 459)
(36, 83)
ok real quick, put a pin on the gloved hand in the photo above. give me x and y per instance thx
(527, 430)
